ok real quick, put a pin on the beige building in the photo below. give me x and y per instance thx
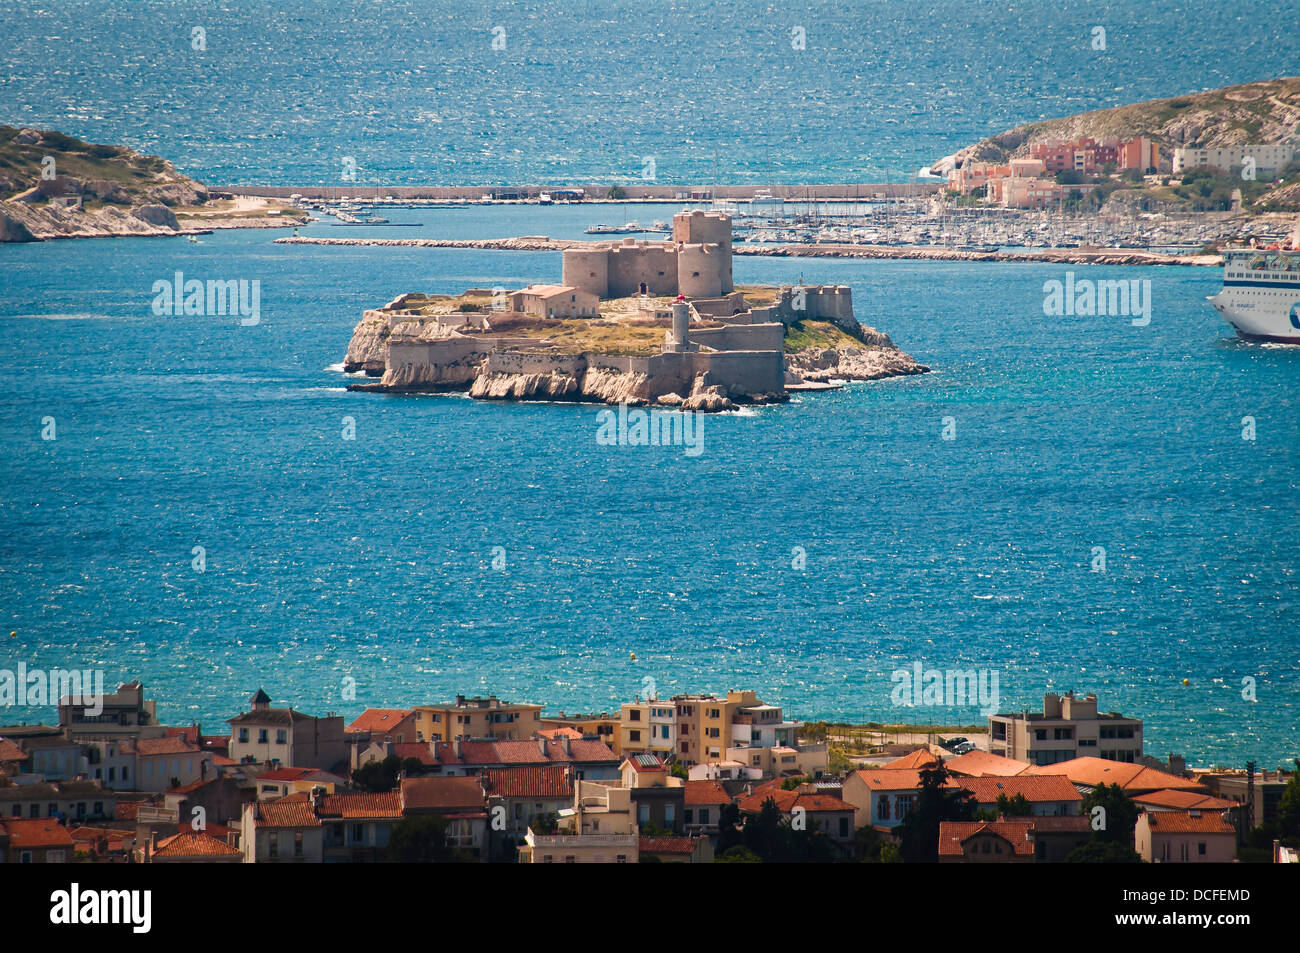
(284, 736)
(555, 301)
(477, 718)
(1267, 158)
(605, 727)
(600, 828)
(1184, 837)
(648, 726)
(1068, 727)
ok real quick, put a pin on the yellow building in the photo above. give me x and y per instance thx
(477, 718)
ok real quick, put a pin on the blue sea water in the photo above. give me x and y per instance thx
(371, 559)
(586, 90)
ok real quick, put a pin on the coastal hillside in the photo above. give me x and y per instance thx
(56, 186)
(1262, 112)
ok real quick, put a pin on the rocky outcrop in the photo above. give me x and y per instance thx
(14, 230)
(159, 215)
(851, 364)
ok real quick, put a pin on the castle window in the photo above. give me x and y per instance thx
(695, 274)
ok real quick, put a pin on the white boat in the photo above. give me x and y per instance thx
(1261, 294)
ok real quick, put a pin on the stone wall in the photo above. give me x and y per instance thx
(741, 337)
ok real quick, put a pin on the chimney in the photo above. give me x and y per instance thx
(455, 747)
(564, 742)
(541, 746)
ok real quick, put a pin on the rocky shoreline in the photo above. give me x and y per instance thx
(809, 368)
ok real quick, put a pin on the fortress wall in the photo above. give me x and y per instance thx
(742, 372)
(631, 264)
(723, 307)
(532, 362)
(832, 303)
(742, 337)
(699, 271)
(586, 269)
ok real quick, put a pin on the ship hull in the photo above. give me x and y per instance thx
(1270, 315)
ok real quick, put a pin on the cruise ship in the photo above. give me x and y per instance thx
(1261, 294)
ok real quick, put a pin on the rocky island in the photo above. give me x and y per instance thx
(55, 186)
(636, 322)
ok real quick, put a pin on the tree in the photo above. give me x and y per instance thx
(935, 803)
(421, 840)
(378, 777)
(1017, 806)
(1288, 810)
(739, 854)
(729, 834)
(1118, 817)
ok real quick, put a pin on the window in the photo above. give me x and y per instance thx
(622, 859)
(25, 857)
(281, 736)
(243, 736)
(634, 714)
(633, 735)
(704, 816)
(261, 736)
(882, 808)
(1200, 849)
(844, 827)
(643, 813)
(297, 844)
(273, 846)
(570, 859)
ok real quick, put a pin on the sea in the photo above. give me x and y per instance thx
(1065, 503)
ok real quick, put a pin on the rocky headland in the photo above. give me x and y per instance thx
(55, 186)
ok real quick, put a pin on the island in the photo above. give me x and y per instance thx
(633, 322)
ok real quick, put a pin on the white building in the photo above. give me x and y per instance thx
(1268, 158)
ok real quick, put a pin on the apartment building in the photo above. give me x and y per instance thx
(648, 727)
(119, 715)
(477, 717)
(1268, 159)
(1068, 727)
(741, 729)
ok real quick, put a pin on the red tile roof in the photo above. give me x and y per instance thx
(414, 749)
(288, 774)
(550, 781)
(984, 764)
(292, 811)
(920, 758)
(1035, 788)
(1132, 778)
(379, 719)
(156, 746)
(442, 795)
(1184, 800)
(1188, 822)
(11, 752)
(953, 834)
(194, 844)
(26, 834)
(190, 733)
(667, 845)
(893, 779)
(358, 806)
(706, 793)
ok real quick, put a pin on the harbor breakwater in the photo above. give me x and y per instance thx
(1058, 256)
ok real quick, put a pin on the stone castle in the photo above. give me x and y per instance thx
(695, 263)
(719, 349)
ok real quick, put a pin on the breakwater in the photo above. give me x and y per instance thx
(1059, 256)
